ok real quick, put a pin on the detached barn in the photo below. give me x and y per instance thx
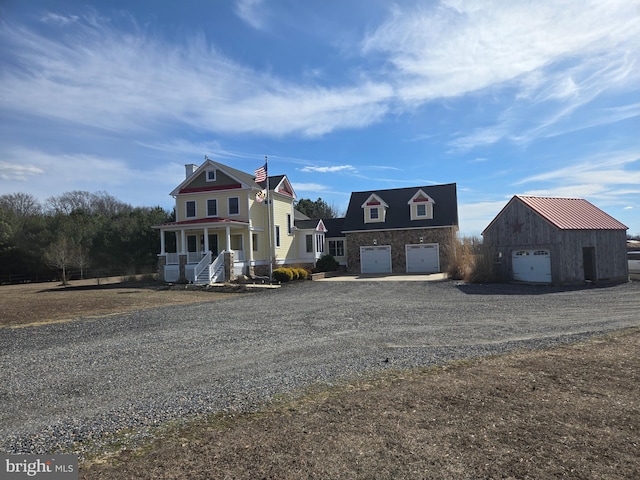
(561, 241)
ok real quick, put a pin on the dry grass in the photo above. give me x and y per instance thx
(35, 303)
(571, 412)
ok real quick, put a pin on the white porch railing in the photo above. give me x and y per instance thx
(201, 272)
(173, 258)
(194, 257)
(217, 269)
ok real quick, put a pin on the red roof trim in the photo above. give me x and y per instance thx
(373, 203)
(285, 192)
(198, 221)
(212, 188)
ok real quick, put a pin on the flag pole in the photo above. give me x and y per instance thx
(269, 221)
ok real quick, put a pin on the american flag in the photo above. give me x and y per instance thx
(261, 173)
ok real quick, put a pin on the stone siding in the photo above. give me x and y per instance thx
(398, 239)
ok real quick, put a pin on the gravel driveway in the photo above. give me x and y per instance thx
(86, 379)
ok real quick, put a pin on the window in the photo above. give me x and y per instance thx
(289, 223)
(277, 235)
(212, 207)
(336, 248)
(192, 243)
(309, 240)
(421, 210)
(234, 206)
(254, 240)
(211, 175)
(191, 208)
(236, 242)
(320, 243)
(374, 214)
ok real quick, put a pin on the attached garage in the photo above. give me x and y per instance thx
(375, 259)
(532, 266)
(423, 258)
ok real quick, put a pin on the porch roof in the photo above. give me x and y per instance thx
(217, 221)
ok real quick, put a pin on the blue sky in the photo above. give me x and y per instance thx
(502, 98)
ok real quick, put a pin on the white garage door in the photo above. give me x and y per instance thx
(532, 266)
(375, 259)
(423, 258)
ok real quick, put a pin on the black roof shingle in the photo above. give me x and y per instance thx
(398, 216)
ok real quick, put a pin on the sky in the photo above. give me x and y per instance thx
(502, 98)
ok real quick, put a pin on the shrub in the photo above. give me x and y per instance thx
(302, 273)
(327, 263)
(294, 273)
(283, 274)
(471, 261)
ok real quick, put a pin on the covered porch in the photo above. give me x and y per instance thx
(189, 249)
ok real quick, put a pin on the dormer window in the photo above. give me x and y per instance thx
(374, 209)
(421, 206)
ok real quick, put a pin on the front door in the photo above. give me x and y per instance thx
(213, 244)
(589, 263)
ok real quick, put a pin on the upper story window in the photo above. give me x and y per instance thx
(289, 223)
(374, 209)
(421, 206)
(190, 208)
(234, 206)
(211, 175)
(212, 207)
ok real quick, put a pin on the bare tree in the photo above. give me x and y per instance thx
(21, 204)
(61, 254)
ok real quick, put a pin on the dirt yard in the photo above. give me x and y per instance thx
(34, 303)
(569, 412)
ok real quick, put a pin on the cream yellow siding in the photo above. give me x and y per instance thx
(222, 198)
(283, 213)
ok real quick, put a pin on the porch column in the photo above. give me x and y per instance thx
(228, 238)
(162, 243)
(206, 240)
(183, 241)
(250, 242)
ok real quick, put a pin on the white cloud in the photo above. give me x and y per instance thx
(133, 82)
(612, 179)
(333, 169)
(51, 174)
(250, 12)
(56, 19)
(457, 47)
(18, 171)
(310, 187)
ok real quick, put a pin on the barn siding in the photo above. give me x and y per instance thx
(518, 227)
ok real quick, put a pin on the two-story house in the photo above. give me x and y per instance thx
(228, 224)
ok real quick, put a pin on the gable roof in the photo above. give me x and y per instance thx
(244, 179)
(310, 224)
(566, 213)
(334, 226)
(279, 184)
(571, 213)
(398, 211)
